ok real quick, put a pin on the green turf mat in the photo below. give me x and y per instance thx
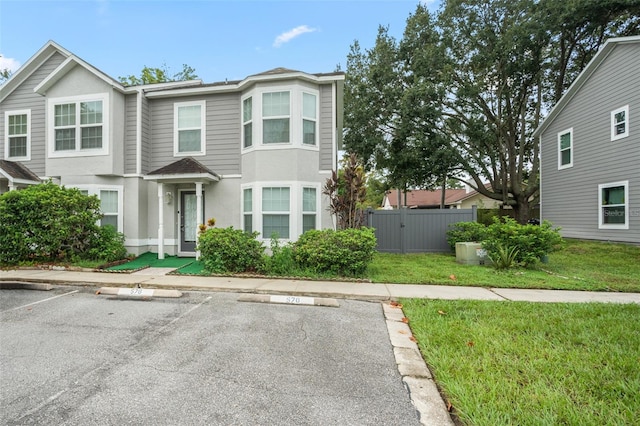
(149, 259)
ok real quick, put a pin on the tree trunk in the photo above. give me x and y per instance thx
(521, 211)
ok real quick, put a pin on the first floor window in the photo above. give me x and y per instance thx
(614, 206)
(620, 123)
(109, 208)
(308, 209)
(110, 204)
(275, 212)
(247, 209)
(565, 149)
(17, 125)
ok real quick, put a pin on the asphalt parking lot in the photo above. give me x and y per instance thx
(69, 356)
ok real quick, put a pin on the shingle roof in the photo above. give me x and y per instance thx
(18, 171)
(184, 166)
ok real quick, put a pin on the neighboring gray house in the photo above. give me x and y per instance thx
(590, 149)
(163, 158)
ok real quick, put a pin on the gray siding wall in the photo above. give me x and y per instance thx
(130, 134)
(222, 137)
(326, 128)
(146, 136)
(569, 197)
(24, 98)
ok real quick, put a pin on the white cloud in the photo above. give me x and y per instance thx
(291, 34)
(8, 63)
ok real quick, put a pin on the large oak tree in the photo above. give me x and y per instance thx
(462, 92)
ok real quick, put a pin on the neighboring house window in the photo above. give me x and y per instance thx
(309, 119)
(78, 126)
(620, 123)
(275, 212)
(308, 209)
(275, 117)
(247, 122)
(565, 149)
(18, 135)
(613, 200)
(247, 209)
(189, 128)
(110, 204)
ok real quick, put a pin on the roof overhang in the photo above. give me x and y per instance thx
(582, 78)
(70, 63)
(184, 178)
(246, 83)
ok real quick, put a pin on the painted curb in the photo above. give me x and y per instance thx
(137, 293)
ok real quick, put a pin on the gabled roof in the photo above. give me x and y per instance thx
(70, 63)
(185, 169)
(17, 173)
(583, 77)
(421, 198)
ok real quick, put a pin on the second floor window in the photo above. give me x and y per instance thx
(565, 149)
(309, 118)
(17, 140)
(189, 129)
(275, 117)
(247, 122)
(78, 126)
(620, 123)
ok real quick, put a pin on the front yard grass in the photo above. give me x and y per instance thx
(581, 265)
(517, 363)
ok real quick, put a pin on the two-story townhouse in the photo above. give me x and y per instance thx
(590, 149)
(163, 158)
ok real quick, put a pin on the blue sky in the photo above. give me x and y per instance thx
(220, 39)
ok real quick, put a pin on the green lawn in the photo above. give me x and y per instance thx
(515, 363)
(581, 265)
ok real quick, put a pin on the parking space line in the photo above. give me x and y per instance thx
(39, 301)
(184, 314)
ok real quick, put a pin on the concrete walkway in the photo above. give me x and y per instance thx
(158, 278)
(415, 373)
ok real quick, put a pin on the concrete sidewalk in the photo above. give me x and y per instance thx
(157, 278)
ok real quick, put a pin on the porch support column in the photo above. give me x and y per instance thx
(199, 219)
(160, 220)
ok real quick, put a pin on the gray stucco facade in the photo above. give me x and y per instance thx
(590, 149)
(225, 127)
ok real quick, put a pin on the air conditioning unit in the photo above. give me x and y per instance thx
(471, 254)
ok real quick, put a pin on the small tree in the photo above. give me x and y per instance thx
(347, 189)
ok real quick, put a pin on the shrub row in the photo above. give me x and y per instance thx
(344, 253)
(507, 242)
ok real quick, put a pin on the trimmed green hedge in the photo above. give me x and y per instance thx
(345, 252)
(51, 223)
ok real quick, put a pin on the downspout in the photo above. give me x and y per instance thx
(139, 133)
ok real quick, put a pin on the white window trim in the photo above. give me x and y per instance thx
(624, 109)
(295, 206)
(601, 224)
(78, 152)
(95, 190)
(253, 206)
(203, 129)
(6, 134)
(250, 121)
(301, 210)
(315, 119)
(570, 164)
(295, 117)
